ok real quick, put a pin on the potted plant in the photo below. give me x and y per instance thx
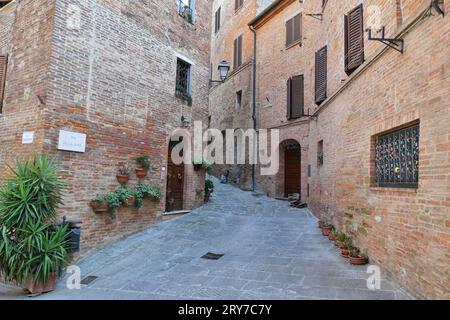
(340, 238)
(33, 249)
(126, 195)
(332, 235)
(209, 189)
(326, 229)
(321, 223)
(144, 165)
(357, 257)
(146, 191)
(345, 250)
(123, 174)
(99, 204)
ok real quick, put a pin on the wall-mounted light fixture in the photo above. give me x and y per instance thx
(223, 68)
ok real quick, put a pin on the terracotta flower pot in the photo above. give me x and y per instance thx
(99, 207)
(345, 253)
(123, 180)
(320, 224)
(330, 237)
(340, 244)
(326, 231)
(141, 173)
(359, 261)
(41, 287)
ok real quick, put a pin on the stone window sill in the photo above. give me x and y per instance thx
(294, 44)
(392, 189)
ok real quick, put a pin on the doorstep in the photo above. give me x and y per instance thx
(176, 213)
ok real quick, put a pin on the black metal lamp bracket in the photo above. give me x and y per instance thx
(396, 44)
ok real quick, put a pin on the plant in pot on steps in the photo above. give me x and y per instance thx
(143, 166)
(347, 248)
(326, 229)
(332, 235)
(358, 258)
(123, 174)
(33, 249)
(339, 239)
(209, 189)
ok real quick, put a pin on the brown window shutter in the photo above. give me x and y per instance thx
(289, 35)
(235, 48)
(219, 14)
(321, 75)
(289, 99)
(236, 4)
(3, 63)
(239, 52)
(297, 97)
(297, 28)
(354, 39)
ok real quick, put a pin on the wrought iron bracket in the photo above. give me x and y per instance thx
(311, 116)
(317, 16)
(396, 44)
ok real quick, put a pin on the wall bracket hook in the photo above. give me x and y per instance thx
(396, 44)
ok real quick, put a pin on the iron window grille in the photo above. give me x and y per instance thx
(397, 158)
(182, 89)
(185, 10)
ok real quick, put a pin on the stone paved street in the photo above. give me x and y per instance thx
(271, 252)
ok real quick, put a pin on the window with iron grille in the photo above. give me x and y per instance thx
(397, 158)
(183, 81)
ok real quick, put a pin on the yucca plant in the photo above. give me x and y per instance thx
(31, 247)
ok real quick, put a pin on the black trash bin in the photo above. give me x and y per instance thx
(73, 235)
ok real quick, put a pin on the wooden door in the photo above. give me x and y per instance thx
(175, 185)
(292, 174)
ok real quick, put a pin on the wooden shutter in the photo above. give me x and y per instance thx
(235, 48)
(236, 4)
(289, 35)
(239, 51)
(297, 94)
(297, 27)
(321, 75)
(354, 39)
(219, 14)
(237, 55)
(289, 98)
(3, 63)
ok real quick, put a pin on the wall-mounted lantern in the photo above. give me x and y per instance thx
(223, 68)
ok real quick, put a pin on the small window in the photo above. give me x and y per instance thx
(238, 4)
(217, 20)
(293, 30)
(397, 158)
(183, 81)
(320, 153)
(239, 99)
(237, 59)
(186, 10)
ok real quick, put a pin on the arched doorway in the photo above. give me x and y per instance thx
(292, 168)
(175, 183)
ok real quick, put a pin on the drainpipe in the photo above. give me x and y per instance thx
(254, 101)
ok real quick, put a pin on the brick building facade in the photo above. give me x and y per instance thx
(106, 69)
(355, 94)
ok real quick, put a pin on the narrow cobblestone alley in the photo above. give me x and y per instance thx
(271, 251)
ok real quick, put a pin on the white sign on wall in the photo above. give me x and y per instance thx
(72, 141)
(28, 137)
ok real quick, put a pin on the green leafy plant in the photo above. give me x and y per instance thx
(124, 170)
(209, 186)
(31, 247)
(144, 162)
(124, 193)
(146, 190)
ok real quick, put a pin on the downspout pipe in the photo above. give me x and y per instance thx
(252, 29)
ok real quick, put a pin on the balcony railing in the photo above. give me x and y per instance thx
(185, 11)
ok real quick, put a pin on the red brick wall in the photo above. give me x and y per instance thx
(406, 231)
(114, 80)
